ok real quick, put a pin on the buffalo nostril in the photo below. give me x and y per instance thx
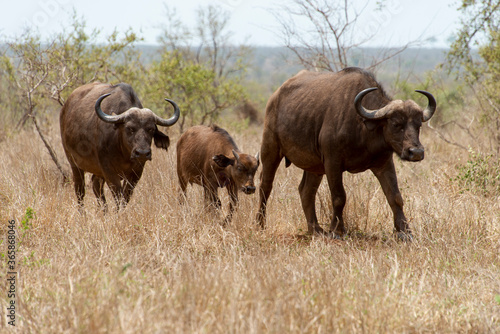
(250, 190)
(138, 153)
(416, 154)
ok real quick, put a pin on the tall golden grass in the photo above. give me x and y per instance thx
(160, 267)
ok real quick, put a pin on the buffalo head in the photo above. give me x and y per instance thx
(401, 121)
(243, 168)
(138, 127)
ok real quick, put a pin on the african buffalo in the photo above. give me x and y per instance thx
(111, 147)
(208, 156)
(317, 122)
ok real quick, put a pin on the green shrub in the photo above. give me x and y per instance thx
(480, 174)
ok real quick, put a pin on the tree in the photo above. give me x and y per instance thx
(324, 34)
(30, 75)
(80, 58)
(474, 58)
(70, 59)
(199, 68)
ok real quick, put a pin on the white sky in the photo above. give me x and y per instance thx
(251, 21)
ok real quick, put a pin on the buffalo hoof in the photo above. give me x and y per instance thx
(181, 200)
(322, 233)
(226, 221)
(328, 237)
(404, 236)
(319, 233)
(316, 230)
(103, 206)
(334, 236)
(81, 210)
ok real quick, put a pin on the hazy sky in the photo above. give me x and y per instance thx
(251, 21)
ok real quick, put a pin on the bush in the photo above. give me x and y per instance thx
(480, 174)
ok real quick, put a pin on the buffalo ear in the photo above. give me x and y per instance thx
(222, 161)
(370, 125)
(161, 140)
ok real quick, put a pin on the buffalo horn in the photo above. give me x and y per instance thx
(172, 120)
(237, 156)
(105, 117)
(366, 113)
(431, 107)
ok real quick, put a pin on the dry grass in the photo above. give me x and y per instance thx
(158, 267)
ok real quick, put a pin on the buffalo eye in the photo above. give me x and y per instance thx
(241, 168)
(417, 124)
(398, 126)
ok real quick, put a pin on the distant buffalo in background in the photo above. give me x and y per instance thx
(208, 156)
(113, 146)
(317, 122)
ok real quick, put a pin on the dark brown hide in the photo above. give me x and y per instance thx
(112, 152)
(208, 156)
(312, 121)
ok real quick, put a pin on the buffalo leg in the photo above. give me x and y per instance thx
(128, 189)
(79, 180)
(182, 191)
(183, 180)
(98, 188)
(114, 184)
(233, 202)
(212, 200)
(129, 186)
(271, 159)
(389, 182)
(334, 177)
(308, 188)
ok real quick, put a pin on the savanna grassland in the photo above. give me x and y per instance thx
(159, 267)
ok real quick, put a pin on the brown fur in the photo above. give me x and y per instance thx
(205, 157)
(108, 151)
(312, 122)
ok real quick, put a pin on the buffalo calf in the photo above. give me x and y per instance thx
(209, 157)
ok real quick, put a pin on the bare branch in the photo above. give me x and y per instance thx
(49, 148)
(329, 39)
(440, 135)
(391, 54)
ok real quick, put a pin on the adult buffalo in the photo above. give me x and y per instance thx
(114, 148)
(317, 122)
(208, 156)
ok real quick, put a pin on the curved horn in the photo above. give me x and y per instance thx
(366, 113)
(172, 120)
(431, 107)
(102, 115)
(236, 155)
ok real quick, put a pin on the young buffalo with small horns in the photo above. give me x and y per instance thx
(209, 157)
(113, 145)
(329, 123)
